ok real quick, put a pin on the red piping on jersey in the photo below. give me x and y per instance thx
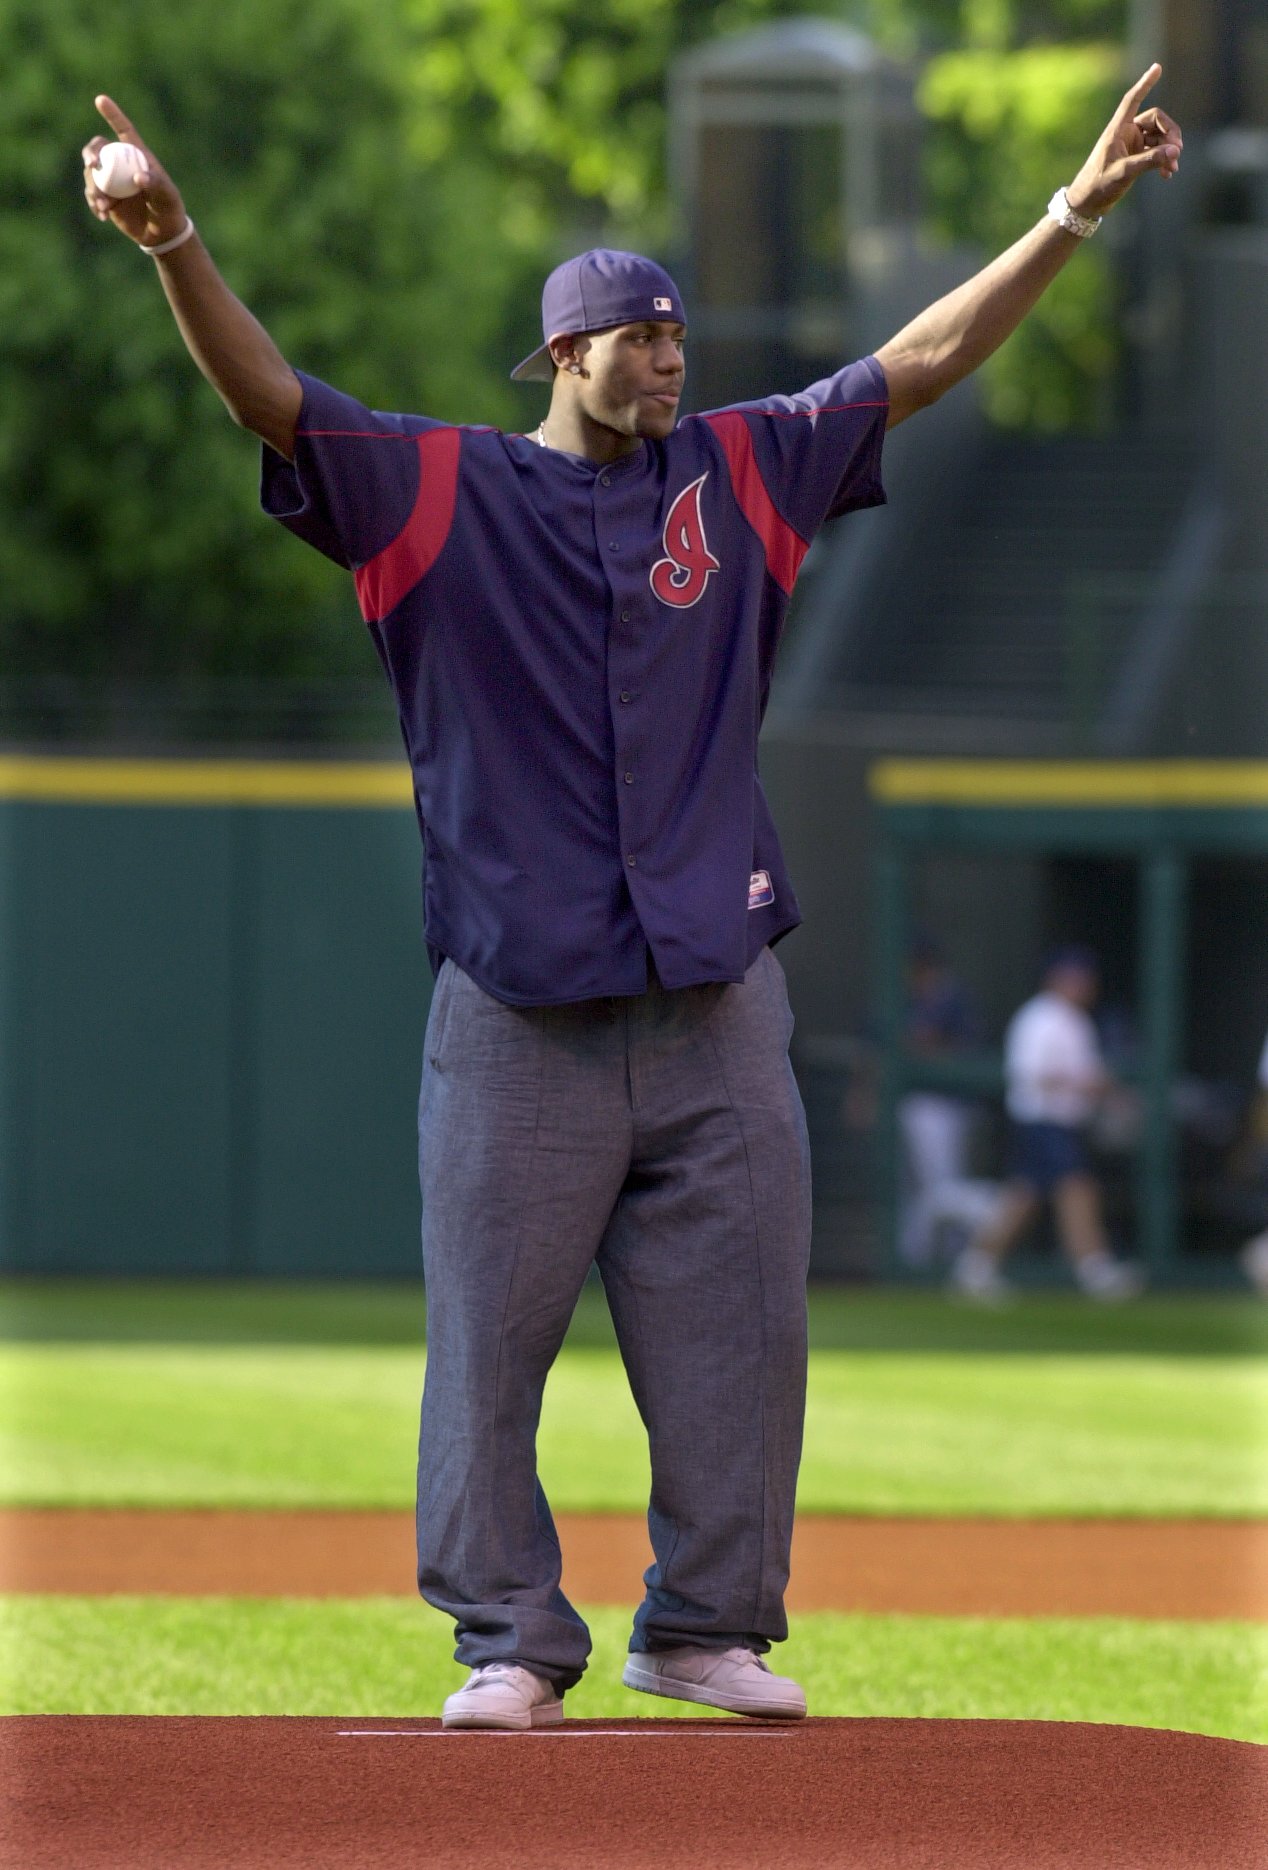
(784, 547)
(392, 573)
(361, 435)
(794, 415)
(393, 435)
(486, 428)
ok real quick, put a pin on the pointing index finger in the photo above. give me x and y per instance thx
(117, 121)
(1139, 92)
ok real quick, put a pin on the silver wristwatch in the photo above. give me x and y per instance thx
(1064, 215)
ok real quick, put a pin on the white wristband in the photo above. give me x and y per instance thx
(1064, 215)
(170, 246)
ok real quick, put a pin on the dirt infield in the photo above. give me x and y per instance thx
(1184, 1569)
(166, 1794)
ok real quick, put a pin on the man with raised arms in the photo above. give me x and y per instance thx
(579, 626)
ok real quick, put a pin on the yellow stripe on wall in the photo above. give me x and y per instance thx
(386, 784)
(1003, 783)
(330, 783)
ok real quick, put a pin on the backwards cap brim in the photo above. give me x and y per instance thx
(537, 368)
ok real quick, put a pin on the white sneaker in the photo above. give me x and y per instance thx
(1108, 1280)
(735, 1679)
(974, 1275)
(502, 1694)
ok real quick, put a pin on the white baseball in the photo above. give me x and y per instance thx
(117, 169)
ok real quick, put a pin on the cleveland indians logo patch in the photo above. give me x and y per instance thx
(680, 578)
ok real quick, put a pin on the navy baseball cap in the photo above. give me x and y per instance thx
(595, 291)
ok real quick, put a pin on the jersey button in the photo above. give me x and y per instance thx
(614, 545)
(625, 694)
(625, 617)
(632, 861)
(605, 480)
(629, 779)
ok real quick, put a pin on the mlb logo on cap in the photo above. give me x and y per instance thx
(593, 292)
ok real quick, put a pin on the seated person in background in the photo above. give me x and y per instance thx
(1254, 1254)
(936, 1126)
(1055, 1078)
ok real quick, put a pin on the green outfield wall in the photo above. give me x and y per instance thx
(213, 989)
(213, 985)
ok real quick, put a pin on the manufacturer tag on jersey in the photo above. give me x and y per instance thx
(760, 891)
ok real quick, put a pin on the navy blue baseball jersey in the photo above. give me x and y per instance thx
(581, 656)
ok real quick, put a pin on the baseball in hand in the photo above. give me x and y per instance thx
(120, 170)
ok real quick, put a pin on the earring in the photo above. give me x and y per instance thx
(575, 369)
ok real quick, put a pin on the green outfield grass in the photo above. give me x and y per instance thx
(384, 1658)
(191, 1311)
(887, 1432)
(307, 1395)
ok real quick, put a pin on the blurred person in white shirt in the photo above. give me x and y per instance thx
(1055, 1081)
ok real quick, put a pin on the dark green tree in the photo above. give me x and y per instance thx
(1014, 109)
(133, 549)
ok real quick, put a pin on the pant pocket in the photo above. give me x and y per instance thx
(779, 988)
(438, 1014)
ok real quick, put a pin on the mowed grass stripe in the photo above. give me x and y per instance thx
(841, 1318)
(999, 1433)
(387, 1659)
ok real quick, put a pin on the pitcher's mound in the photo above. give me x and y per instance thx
(115, 1793)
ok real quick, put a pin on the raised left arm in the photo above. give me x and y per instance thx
(953, 336)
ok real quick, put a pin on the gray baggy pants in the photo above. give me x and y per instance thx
(663, 1137)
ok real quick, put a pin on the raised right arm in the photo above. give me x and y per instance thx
(231, 348)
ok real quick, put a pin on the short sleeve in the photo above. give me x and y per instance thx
(354, 480)
(819, 452)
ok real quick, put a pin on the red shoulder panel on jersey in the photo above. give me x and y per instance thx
(784, 547)
(392, 573)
